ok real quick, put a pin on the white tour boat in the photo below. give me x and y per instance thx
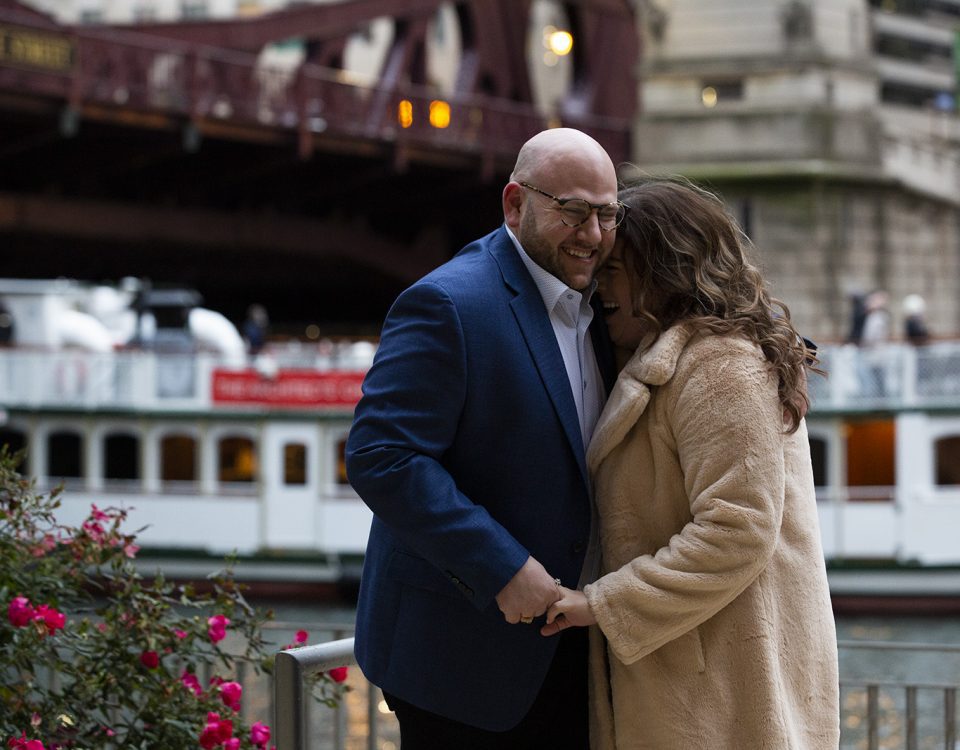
(149, 402)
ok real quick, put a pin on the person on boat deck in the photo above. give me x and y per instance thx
(712, 622)
(468, 445)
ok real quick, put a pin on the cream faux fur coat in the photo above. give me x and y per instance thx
(717, 628)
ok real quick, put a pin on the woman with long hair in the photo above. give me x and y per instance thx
(714, 626)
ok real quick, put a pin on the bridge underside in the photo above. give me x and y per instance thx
(182, 157)
(240, 216)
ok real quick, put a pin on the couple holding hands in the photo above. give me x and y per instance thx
(595, 526)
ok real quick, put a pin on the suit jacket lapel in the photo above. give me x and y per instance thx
(534, 323)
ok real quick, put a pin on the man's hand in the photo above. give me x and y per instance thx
(572, 609)
(528, 594)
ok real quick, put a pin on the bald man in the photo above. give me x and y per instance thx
(468, 445)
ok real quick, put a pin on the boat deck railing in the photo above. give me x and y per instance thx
(886, 377)
(882, 705)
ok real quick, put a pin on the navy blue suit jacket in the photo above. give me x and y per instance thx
(466, 445)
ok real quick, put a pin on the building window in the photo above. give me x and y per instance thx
(721, 92)
(249, 8)
(121, 454)
(948, 461)
(871, 459)
(294, 463)
(144, 13)
(178, 458)
(91, 16)
(64, 455)
(237, 460)
(342, 462)
(194, 9)
(818, 456)
(15, 441)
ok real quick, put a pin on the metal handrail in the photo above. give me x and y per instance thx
(291, 670)
(294, 666)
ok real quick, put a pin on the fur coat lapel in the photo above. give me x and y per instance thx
(631, 393)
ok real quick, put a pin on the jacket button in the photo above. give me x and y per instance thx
(576, 548)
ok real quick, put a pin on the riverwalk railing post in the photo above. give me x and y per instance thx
(911, 717)
(950, 718)
(373, 710)
(873, 717)
(288, 703)
(291, 669)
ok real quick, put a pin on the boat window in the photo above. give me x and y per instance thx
(121, 455)
(948, 460)
(342, 462)
(178, 458)
(16, 440)
(294, 463)
(818, 454)
(64, 455)
(871, 461)
(237, 460)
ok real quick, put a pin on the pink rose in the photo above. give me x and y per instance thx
(150, 659)
(22, 743)
(130, 550)
(20, 611)
(181, 634)
(259, 734)
(301, 636)
(217, 629)
(338, 674)
(50, 617)
(216, 731)
(232, 744)
(230, 694)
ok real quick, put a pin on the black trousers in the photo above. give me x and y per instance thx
(556, 721)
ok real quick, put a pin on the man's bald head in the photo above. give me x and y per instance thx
(562, 153)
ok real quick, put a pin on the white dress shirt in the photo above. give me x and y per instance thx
(570, 315)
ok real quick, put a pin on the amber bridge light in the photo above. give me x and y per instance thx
(439, 113)
(405, 113)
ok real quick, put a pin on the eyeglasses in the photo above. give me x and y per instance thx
(575, 211)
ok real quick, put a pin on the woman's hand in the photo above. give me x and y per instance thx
(570, 610)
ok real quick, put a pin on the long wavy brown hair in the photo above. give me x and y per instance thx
(687, 263)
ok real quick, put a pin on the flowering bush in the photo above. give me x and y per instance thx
(95, 657)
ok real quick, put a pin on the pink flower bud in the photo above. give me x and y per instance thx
(150, 659)
(259, 734)
(190, 682)
(230, 694)
(217, 629)
(338, 674)
(301, 636)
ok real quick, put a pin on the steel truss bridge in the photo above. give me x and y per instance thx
(170, 151)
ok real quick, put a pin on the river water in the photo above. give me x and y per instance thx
(929, 669)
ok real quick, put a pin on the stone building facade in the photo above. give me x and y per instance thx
(830, 128)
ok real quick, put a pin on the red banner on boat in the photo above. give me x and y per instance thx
(294, 388)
